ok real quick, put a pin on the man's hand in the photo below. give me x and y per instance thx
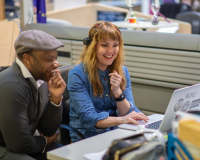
(52, 138)
(56, 86)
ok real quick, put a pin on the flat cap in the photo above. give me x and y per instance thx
(37, 40)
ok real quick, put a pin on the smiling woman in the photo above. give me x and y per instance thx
(99, 86)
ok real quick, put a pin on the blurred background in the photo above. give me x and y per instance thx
(12, 6)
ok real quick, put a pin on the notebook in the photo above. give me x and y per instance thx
(183, 99)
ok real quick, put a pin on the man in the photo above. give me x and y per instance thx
(30, 98)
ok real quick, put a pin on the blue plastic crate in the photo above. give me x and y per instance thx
(172, 144)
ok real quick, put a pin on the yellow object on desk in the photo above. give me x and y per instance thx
(189, 135)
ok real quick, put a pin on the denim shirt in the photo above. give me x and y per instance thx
(86, 109)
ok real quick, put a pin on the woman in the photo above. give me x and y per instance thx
(99, 86)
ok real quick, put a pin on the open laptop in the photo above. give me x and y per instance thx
(183, 99)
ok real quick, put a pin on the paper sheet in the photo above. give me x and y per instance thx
(168, 29)
(96, 155)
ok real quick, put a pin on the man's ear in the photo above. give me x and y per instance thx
(27, 59)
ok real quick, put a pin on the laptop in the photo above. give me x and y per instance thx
(183, 99)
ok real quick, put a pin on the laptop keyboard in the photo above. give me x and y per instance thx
(154, 125)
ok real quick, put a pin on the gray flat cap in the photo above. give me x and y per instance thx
(37, 40)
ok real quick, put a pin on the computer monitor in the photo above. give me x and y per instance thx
(110, 16)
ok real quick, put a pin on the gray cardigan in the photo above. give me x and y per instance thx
(23, 109)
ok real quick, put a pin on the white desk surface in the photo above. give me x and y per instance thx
(145, 25)
(75, 151)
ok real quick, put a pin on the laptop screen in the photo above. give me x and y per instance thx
(184, 99)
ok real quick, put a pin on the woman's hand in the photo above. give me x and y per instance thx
(115, 81)
(132, 118)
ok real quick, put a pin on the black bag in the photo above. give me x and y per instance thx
(136, 147)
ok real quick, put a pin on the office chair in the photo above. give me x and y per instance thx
(191, 17)
(170, 10)
(64, 127)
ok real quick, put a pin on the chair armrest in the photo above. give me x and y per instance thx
(73, 130)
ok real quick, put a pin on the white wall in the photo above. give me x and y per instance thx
(26, 12)
(62, 4)
(145, 6)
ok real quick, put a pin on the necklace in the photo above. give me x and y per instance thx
(105, 79)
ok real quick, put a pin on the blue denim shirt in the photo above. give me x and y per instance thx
(85, 109)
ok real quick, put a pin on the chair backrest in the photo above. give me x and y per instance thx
(64, 134)
(170, 10)
(193, 18)
(64, 73)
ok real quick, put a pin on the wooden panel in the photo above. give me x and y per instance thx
(2, 10)
(9, 32)
(16, 32)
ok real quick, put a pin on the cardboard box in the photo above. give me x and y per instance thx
(189, 134)
(9, 31)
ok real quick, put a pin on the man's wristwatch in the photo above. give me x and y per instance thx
(121, 97)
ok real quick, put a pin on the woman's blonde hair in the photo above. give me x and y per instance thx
(101, 31)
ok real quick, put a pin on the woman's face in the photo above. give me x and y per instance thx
(107, 51)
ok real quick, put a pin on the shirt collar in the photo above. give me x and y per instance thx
(27, 74)
(103, 73)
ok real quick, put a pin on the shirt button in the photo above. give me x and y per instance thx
(106, 95)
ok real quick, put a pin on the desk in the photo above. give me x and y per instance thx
(145, 25)
(97, 143)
